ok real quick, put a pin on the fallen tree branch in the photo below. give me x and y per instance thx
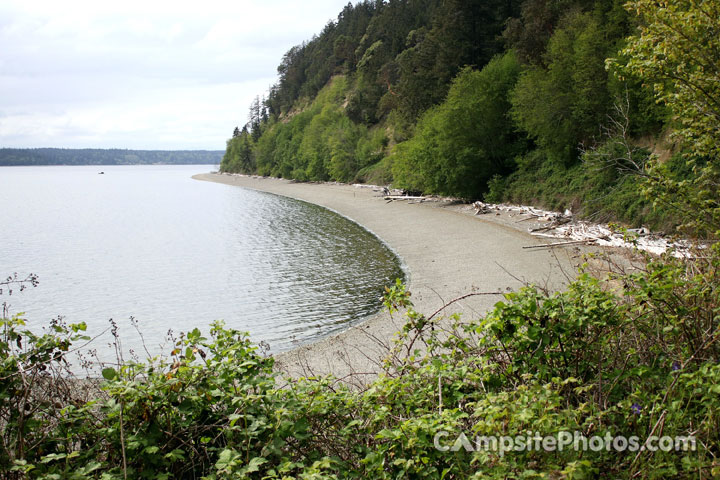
(559, 244)
(404, 197)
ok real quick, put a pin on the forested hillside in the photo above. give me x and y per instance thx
(94, 156)
(502, 100)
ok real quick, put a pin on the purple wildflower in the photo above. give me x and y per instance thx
(636, 408)
(675, 366)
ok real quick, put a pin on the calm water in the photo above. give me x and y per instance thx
(177, 253)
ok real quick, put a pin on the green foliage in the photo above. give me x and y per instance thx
(318, 143)
(386, 94)
(397, 59)
(418, 94)
(529, 33)
(178, 417)
(206, 410)
(460, 144)
(563, 105)
(239, 156)
(677, 51)
(29, 402)
(315, 148)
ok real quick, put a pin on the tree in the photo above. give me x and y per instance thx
(562, 105)
(239, 156)
(463, 142)
(255, 118)
(529, 34)
(677, 51)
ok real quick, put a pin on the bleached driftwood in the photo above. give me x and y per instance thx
(561, 244)
(562, 225)
(404, 197)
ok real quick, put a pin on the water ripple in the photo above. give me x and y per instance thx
(149, 242)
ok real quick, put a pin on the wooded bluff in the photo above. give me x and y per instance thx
(506, 101)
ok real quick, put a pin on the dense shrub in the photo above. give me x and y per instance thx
(460, 144)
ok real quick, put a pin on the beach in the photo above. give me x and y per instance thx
(446, 251)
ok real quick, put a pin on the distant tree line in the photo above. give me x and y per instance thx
(501, 100)
(93, 156)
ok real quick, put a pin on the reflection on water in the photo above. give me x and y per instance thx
(175, 253)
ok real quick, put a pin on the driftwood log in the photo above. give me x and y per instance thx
(562, 244)
(404, 197)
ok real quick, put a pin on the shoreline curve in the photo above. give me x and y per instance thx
(445, 252)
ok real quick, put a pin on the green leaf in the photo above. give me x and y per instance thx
(254, 465)
(52, 457)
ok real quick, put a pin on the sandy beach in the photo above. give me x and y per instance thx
(446, 250)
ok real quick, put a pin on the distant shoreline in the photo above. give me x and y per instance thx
(26, 157)
(447, 252)
(159, 164)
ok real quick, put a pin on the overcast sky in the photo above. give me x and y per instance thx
(142, 74)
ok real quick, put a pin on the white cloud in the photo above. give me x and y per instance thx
(141, 74)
